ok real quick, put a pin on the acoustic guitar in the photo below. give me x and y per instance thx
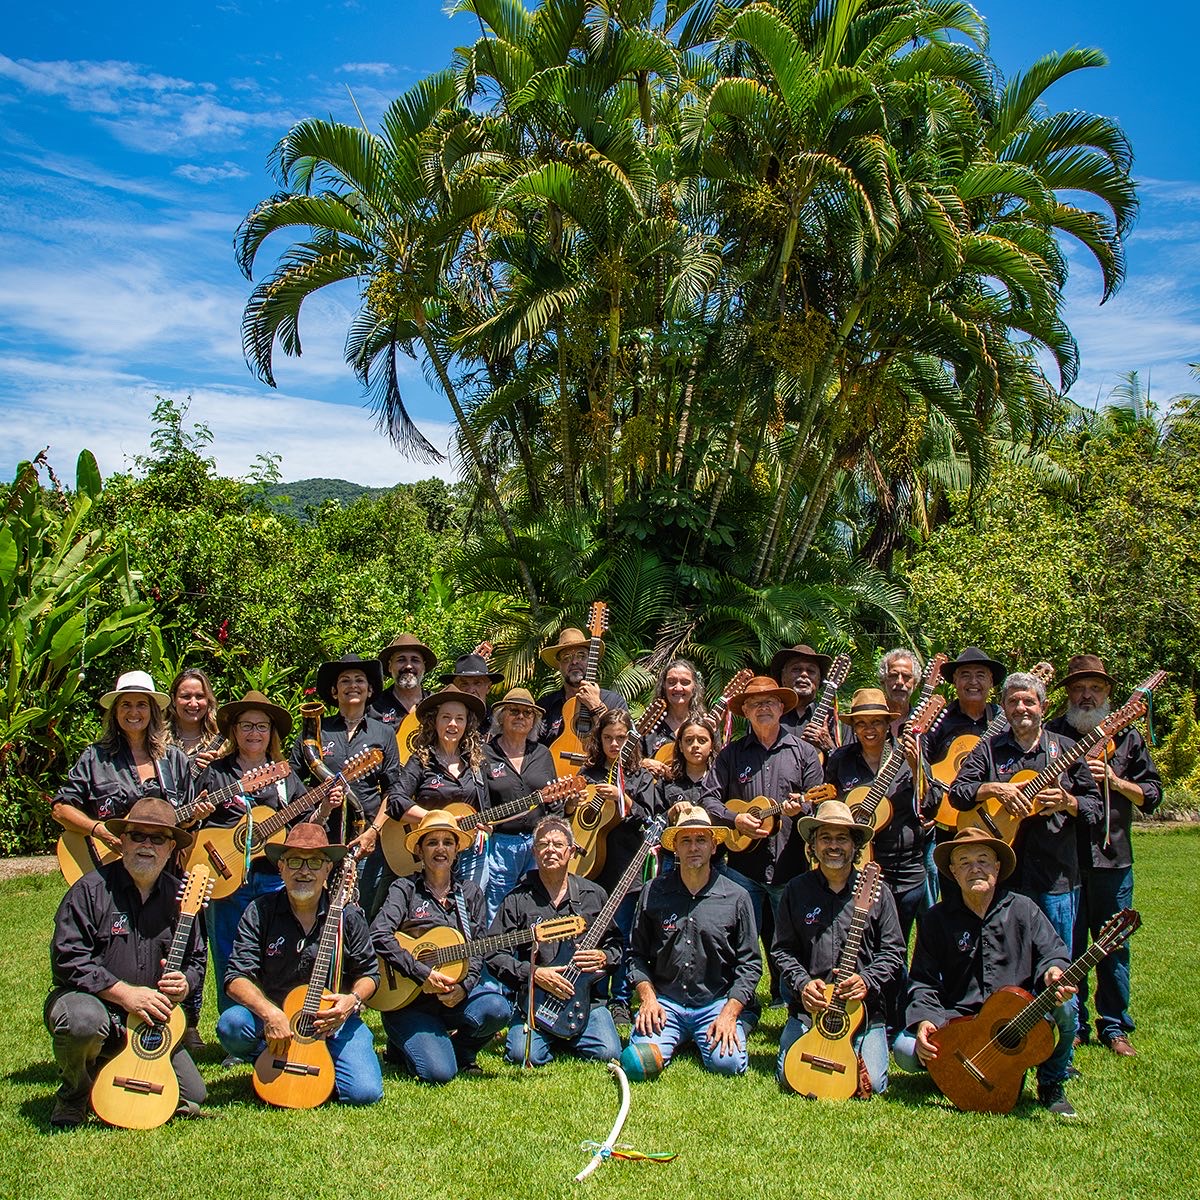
(444, 949)
(839, 672)
(569, 749)
(224, 850)
(981, 1060)
(992, 815)
(408, 729)
(595, 818)
(403, 862)
(568, 1017)
(822, 1063)
(715, 717)
(769, 812)
(138, 1088)
(302, 1076)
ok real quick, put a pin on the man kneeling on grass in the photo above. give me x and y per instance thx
(694, 960)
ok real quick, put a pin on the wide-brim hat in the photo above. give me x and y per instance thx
(133, 683)
(406, 641)
(437, 818)
(1084, 666)
(824, 661)
(975, 837)
(972, 656)
(568, 639)
(519, 697)
(151, 813)
(328, 672)
(835, 812)
(471, 666)
(693, 817)
(306, 838)
(450, 692)
(280, 717)
(764, 685)
(869, 702)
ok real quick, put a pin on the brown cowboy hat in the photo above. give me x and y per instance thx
(835, 812)
(764, 685)
(279, 717)
(568, 639)
(305, 838)
(328, 672)
(693, 817)
(972, 656)
(519, 697)
(823, 661)
(975, 837)
(406, 641)
(868, 702)
(471, 666)
(1084, 666)
(437, 818)
(448, 693)
(151, 813)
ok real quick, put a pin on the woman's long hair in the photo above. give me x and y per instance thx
(208, 727)
(679, 764)
(470, 746)
(595, 749)
(696, 707)
(112, 737)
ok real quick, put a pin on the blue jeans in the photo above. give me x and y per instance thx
(870, 1042)
(437, 1044)
(1105, 893)
(685, 1025)
(223, 917)
(909, 905)
(761, 893)
(374, 879)
(357, 1076)
(599, 1040)
(509, 857)
(932, 878)
(1061, 909)
(472, 864)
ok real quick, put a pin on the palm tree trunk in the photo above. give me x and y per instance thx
(814, 510)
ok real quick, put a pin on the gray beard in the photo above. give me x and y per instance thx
(1084, 720)
(407, 680)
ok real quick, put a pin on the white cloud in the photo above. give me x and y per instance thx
(215, 174)
(366, 68)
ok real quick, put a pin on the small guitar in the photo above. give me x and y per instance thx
(821, 1063)
(408, 729)
(443, 948)
(595, 818)
(302, 1076)
(946, 769)
(839, 672)
(993, 817)
(224, 850)
(403, 863)
(569, 749)
(982, 1060)
(769, 811)
(715, 717)
(567, 1018)
(138, 1089)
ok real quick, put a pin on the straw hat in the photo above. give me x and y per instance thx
(836, 813)
(568, 639)
(135, 683)
(279, 717)
(448, 693)
(437, 818)
(975, 837)
(151, 813)
(869, 702)
(694, 817)
(519, 697)
(305, 838)
(764, 685)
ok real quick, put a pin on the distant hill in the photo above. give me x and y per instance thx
(312, 493)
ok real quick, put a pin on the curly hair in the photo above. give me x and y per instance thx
(470, 746)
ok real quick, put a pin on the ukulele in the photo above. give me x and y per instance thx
(403, 862)
(302, 1076)
(408, 729)
(839, 672)
(993, 817)
(224, 850)
(443, 948)
(981, 1060)
(569, 748)
(822, 1063)
(769, 811)
(138, 1089)
(715, 717)
(567, 1017)
(593, 820)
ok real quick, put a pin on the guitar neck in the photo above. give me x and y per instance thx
(179, 944)
(1044, 1002)
(322, 973)
(278, 820)
(593, 660)
(881, 784)
(194, 767)
(1049, 773)
(850, 952)
(481, 946)
(824, 705)
(514, 808)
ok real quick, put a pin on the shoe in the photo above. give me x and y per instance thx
(191, 1040)
(1073, 1072)
(1053, 1098)
(471, 1069)
(69, 1114)
(1121, 1045)
(189, 1110)
(230, 1061)
(620, 1014)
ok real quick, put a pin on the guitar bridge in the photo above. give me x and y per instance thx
(291, 1068)
(217, 861)
(974, 1071)
(823, 1064)
(142, 1087)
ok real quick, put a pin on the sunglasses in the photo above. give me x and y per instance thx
(295, 863)
(155, 839)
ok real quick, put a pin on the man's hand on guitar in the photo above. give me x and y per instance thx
(1063, 993)
(277, 1031)
(107, 837)
(173, 985)
(651, 1016)
(589, 960)
(818, 735)
(204, 808)
(550, 979)
(750, 825)
(813, 996)
(1052, 800)
(660, 770)
(437, 983)
(908, 747)
(330, 1020)
(793, 806)
(1009, 794)
(853, 987)
(366, 841)
(926, 1050)
(145, 1003)
(589, 696)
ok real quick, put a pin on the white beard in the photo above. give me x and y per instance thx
(1084, 720)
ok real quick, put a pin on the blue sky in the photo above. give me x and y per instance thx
(133, 139)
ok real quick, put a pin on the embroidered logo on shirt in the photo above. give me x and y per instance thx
(964, 941)
(275, 948)
(811, 918)
(120, 925)
(497, 770)
(421, 910)
(744, 774)
(431, 786)
(1054, 749)
(106, 808)
(671, 923)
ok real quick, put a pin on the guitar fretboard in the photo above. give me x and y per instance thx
(864, 896)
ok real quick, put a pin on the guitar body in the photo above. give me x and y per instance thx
(665, 753)
(821, 1063)
(883, 810)
(396, 990)
(78, 854)
(993, 818)
(408, 729)
(758, 806)
(223, 851)
(402, 862)
(138, 1089)
(590, 824)
(945, 771)
(565, 1018)
(976, 1079)
(303, 1077)
(569, 749)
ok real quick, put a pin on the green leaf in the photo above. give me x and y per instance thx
(87, 475)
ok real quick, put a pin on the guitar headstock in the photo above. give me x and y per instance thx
(559, 929)
(925, 716)
(346, 890)
(866, 890)
(737, 685)
(484, 650)
(196, 888)
(839, 672)
(361, 763)
(651, 717)
(654, 831)
(562, 787)
(597, 621)
(1132, 710)
(1118, 929)
(259, 777)
(1151, 682)
(820, 793)
(933, 670)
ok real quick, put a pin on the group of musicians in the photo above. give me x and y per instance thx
(760, 845)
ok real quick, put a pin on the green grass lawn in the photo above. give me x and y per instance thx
(518, 1134)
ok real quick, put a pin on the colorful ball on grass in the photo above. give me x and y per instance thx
(642, 1061)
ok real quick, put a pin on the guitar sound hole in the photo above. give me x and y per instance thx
(1009, 1039)
(304, 1026)
(833, 1025)
(239, 839)
(152, 1041)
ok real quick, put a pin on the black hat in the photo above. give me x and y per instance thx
(328, 672)
(972, 656)
(471, 666)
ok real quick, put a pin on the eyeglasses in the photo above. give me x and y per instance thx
(155, 839)
(523, 714)
(295, 863)
(254, 726)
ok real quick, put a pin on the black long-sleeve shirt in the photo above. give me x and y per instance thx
(104, 783)
(434, 786)
(105, 934)
(961, 959)
(272, 950)
(224, 772)
(552, 719)
(744, 769)
(811, 930)
(1045, 845)
(643, 801)
(506, 784)
(695, 950)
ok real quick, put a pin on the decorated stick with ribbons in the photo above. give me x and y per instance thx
(605, 1148)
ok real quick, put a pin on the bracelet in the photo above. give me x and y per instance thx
(95, 826)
